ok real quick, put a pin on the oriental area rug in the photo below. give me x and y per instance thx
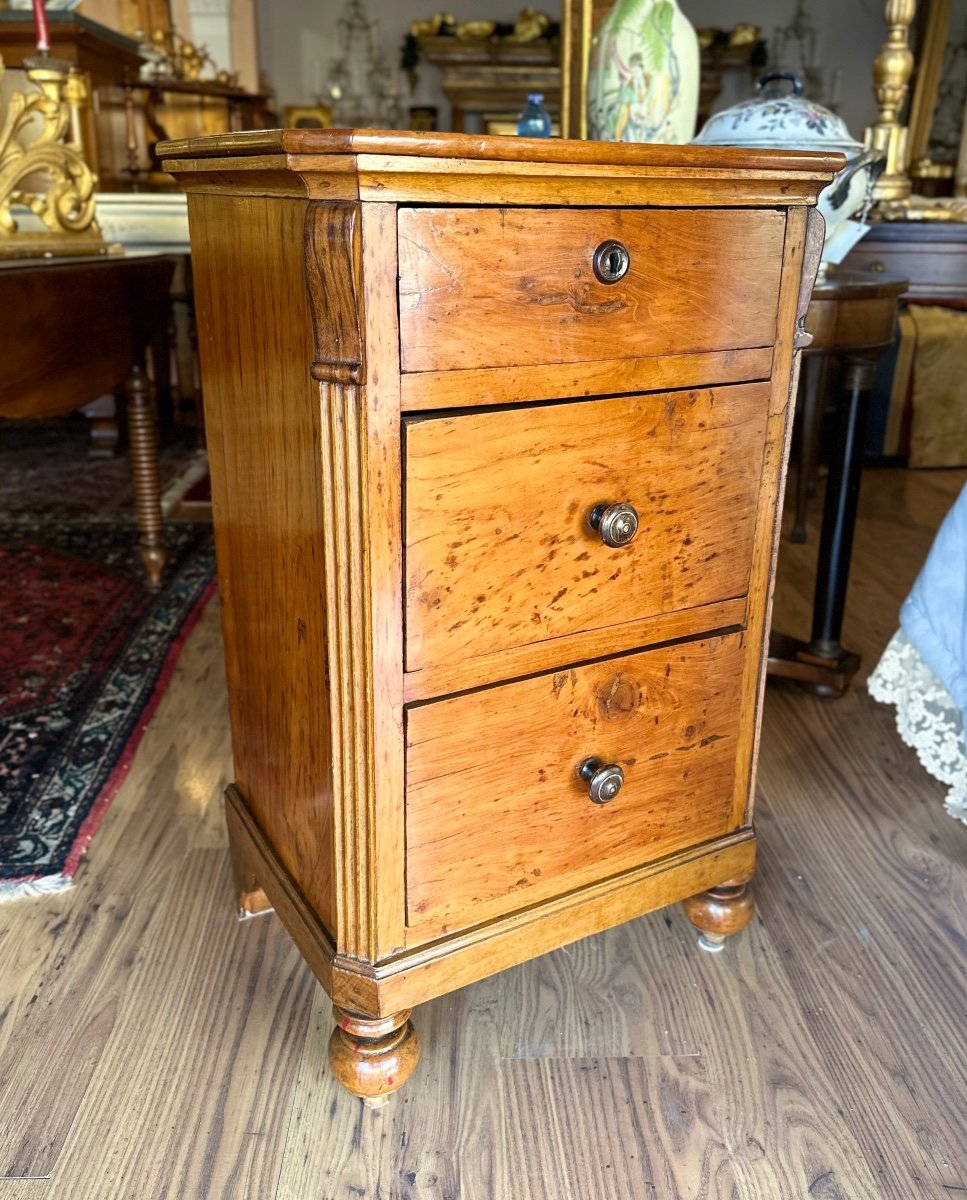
(85, 653)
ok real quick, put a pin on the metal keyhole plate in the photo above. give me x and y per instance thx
(611, 261)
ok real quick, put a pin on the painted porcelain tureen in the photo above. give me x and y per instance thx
(776, 119)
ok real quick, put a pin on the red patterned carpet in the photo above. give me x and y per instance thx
(85, 653)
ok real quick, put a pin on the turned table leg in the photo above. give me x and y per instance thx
(720, 912)
(144, 468)
(839, 523)
(823, 666)
(373, 1057)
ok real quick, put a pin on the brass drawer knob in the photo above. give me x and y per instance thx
(604, 780)
(611, 261)
(616, 523)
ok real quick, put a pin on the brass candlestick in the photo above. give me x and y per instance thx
(892, 69)
(50, 158)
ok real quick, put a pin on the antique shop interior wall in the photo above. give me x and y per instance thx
(297, 41)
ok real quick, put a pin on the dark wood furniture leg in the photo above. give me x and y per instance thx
(720, 912)
(839, 522)
(823, 666)
(851, 316)
(144, 469)
(372, 1058)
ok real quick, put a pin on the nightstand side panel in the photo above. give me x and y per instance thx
(801, 252)
(263, 429)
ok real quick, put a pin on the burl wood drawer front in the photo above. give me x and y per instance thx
(497, 816)
(499, 547)
(515, 287)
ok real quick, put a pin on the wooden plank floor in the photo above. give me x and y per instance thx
(152, 1047)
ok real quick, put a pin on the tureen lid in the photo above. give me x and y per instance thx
(777, 118)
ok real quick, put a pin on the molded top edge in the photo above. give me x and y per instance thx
(500, 149)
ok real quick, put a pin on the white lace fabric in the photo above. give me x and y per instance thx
(927, 718)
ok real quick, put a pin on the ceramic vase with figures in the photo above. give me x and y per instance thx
(643, 75)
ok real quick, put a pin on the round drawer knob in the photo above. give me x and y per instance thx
(611, 261)
(604, 780)
(616, 523)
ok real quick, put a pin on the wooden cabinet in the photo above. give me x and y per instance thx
(931, 255)
(497, 433)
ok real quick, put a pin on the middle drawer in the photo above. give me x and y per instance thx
(500, 540)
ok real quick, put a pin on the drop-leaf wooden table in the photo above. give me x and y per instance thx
(75, 328)
(497, 432)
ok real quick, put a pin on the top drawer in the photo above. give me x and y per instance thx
(496, 287)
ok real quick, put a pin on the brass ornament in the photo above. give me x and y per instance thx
(530, 26)
(745, 35)
(473, 30)
(432, 25)
(66, 205)
(172, 56)
(892, 69)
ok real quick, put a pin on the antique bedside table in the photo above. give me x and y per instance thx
(497, 432)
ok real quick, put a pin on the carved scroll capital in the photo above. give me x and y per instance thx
(334, 262)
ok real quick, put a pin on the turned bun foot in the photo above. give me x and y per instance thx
(373, 1058)
(720, 912)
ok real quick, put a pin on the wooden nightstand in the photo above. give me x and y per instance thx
(497, 433)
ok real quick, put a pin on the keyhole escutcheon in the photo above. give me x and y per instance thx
(611, 261)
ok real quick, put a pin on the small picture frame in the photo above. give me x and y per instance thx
(424, 117)
(307, 116)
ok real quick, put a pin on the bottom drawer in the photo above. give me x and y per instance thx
(497, 816)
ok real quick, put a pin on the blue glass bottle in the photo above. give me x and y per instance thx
(535, 120)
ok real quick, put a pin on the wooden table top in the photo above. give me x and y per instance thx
(406, 143)
(858, 285)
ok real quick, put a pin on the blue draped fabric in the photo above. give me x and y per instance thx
(934, 615)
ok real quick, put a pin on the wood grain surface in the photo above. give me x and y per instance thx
(406, 143)
(501, 287)
(73, 330)
(496, 815)
(151, 1046)
(401, 179)
(499, 551)
(262, 410)
(505, 385)
(449, 676)
(406, 168)
(412, 179)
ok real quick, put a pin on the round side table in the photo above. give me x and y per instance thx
(852, 316)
